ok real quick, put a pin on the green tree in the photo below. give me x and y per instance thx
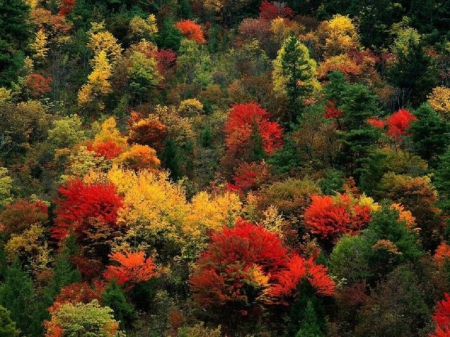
(84, 320)
(294, 76)
(5, 187)
(358, 103)
(307, 317)
(7, 326)
(429, 134)
(15, 35)
(17, 295)
(309, 326)
(114, 297)
(414, 73)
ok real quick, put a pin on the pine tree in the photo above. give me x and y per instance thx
(17, 295)
(114, 298)
(15, 35)
(294, 76)
(7, 326)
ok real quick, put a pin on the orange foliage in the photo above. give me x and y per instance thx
(108, 149)
(191, 31)
(442, 254)
(75, 293)
(297, 269)
(140, 157)
(37, 84)
(330, 218)
(146, 131)
(331, 112)
(133, 268)
(376, 123)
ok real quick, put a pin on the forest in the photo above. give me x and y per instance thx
(224, 168)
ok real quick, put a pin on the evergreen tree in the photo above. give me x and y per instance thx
(307, 313)
(64, 272)
(309, 326)
(15, 35)
(358, 137)
(114, 297)
(430, 134)
(7, 326)
(170, 158)
(294, 75)
(17, 296)
(413, 74)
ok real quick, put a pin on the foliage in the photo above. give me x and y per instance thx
(191, 31)
(7, 326)
(82, 320)
(294, 75)
(249, 134)
(132, 268)
(330, 217)
(5, 187)
(247, 266)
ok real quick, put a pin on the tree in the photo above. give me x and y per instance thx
(98, 84)
(132, 268)
(398, 125)
(74, 293)
(439, 100)
(442, 317)
(5, 187)
(294, 76)
(191, 31)
(413, 72)
(7, 326)
(246, 266)
(15, 34)
(339, 34)
(419, 196)
(357, 103)
(249, 135)
(114, 297)
(82, 320)
(17, 295)
(429, 134)
(331, 217)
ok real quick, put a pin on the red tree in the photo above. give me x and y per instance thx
(191, 31)
(75, 293)
(108, 149)
(66, 7)
(37, 84)
(133, 268)
(249, 176)
(269, 10)
(247, 266)
(330, 218)
(399, 123)
(83, 206)
(21, 215)
(247, 131)
(442, 318)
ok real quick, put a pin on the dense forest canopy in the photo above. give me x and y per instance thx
(225, 168)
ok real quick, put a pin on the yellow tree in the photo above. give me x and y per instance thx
(339, 35)
(102, 40)
(439, 100)
(98, 84)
